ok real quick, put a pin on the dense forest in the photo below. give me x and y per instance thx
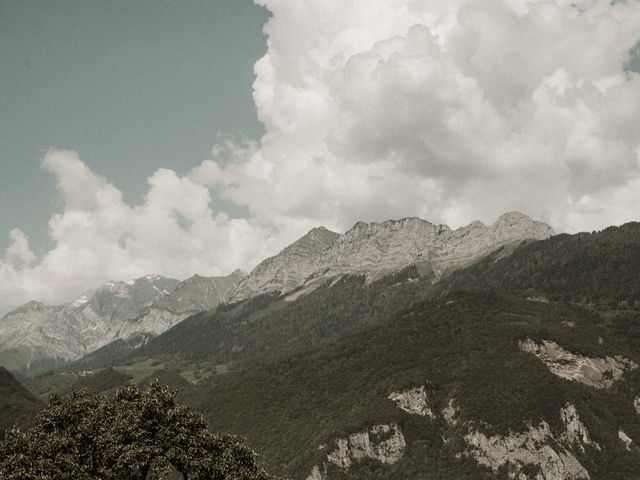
(465, 348)
(598, 269)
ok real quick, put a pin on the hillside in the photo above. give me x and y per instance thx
(265, 328)
(269, 327)
(17, 405)
(465, 355)
(598, 269)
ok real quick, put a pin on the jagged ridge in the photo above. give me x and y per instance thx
(377, 249)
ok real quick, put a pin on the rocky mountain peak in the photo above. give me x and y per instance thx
(90, 321)
(317, 239)
(378, 248)
(519, 223)
(289, 268)
(475, 225)
(29, 307)
(393, 225)
(513, 217)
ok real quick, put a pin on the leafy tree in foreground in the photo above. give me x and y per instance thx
(134, 435)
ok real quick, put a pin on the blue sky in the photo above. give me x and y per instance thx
(132, 85)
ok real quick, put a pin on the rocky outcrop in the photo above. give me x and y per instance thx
(636, 404)
(625, 439)
(413, 401)
(537, 447)
(575, 431)
(593, 371)
(379, 248)
(450, 412)
(384, 443)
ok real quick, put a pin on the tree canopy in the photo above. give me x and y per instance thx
(137, 434)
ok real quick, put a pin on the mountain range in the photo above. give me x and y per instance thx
(376, 249)
(35, 336)
(403, 349)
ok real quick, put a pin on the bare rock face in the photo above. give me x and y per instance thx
(384, 443)
(450, 412)
(536, 447)
(196, 294)
(636, 404)
(575, 431)
(413, 401)
(116, 310)
(72, 330)
(377, 249)
(625, 439)
(466, 245)
(596, 372)
(289, 268)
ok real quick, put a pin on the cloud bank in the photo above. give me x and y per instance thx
(99, 237)
(451, 111)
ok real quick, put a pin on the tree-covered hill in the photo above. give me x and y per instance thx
(600, 269)
(463, 349)
(18, 406)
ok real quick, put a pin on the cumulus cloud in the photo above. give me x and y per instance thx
(99, 237)
(449, 110)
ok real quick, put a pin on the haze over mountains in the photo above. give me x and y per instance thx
(40, 334)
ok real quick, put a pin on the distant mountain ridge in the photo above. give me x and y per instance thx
(117, 310)
(193, 295)
(379, 248)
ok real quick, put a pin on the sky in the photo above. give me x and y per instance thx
(192, 137)
(130, 85)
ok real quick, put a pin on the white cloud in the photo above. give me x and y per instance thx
(450, 110)
(99, 237)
